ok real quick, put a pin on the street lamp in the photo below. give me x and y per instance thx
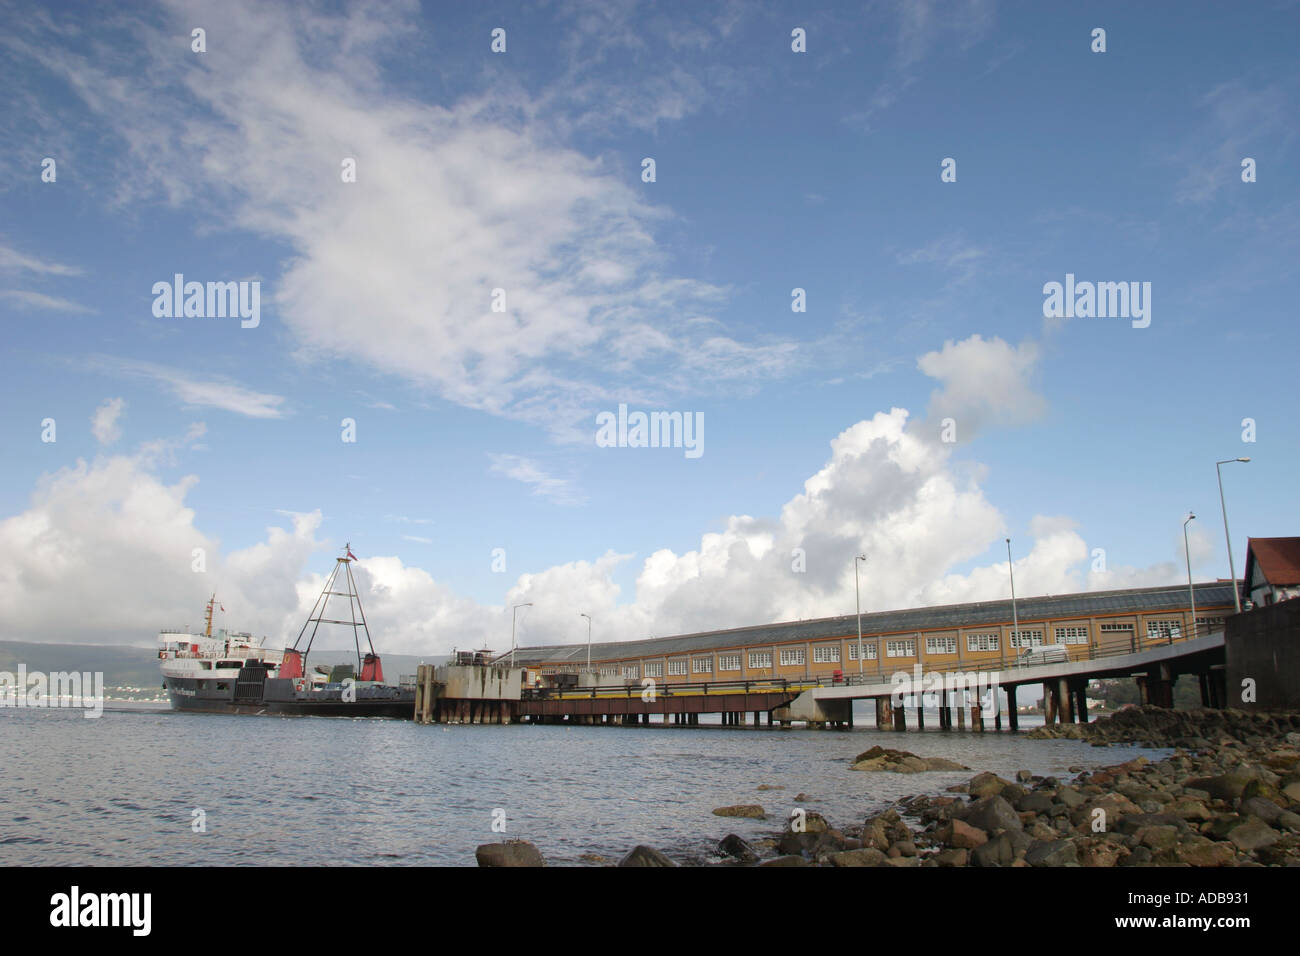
(588, 617)
(1187, 553)
(512, 629)
(1015, 619)
(857, 594)
(1232, 567)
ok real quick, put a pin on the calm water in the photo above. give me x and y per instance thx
(120, 790)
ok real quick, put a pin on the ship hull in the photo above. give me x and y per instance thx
(196, 696)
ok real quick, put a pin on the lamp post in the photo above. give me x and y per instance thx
(588, 617)
(1232, 566)
(857, 594)
(1015, 619)
(512, 629)
(1187, 553)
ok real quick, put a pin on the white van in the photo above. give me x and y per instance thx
(1047, 654)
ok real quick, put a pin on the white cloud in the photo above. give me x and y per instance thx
(103, 424)
(211, 393)
(26, 299)
(984, 382)
(450, 203)
(11, 260)
(518, 468)
(113, 537)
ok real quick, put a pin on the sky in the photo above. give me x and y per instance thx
(823, 233)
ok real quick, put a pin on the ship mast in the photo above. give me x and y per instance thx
(207, 631)
(356, 615)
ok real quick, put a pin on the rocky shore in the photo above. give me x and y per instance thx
(1228, 796)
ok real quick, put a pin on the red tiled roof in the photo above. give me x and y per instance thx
(1278, 559)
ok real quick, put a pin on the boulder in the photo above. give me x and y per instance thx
(1052, 853)
(510, 853)
(788, 860)
(862, 857)
(960, 834)
(750, 810)
(992, 814)
(1252, 835)
(985, 785)
(736, 848)
(645, 856)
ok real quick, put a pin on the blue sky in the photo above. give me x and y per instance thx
(522, 170)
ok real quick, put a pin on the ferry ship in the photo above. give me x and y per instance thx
(230, 672)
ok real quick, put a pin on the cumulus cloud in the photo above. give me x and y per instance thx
(103, 424)
(112, 536)
(984, 382)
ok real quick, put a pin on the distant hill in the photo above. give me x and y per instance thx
(138, 666)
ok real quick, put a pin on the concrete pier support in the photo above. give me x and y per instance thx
(961, 710)
(900, 718)
(1064, 701)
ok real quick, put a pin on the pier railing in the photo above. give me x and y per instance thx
(878, 674)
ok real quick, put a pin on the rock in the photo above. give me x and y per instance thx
(789, 860)
(768, 786)
(992, 814)
(1157, 837)
(1258, 789)
(510, 853)
(645, 856)
(1024, 776)
(1053, 853)
(900, 761)
(986, 785)
(957, 857)
(801, 798)
(903, 861)
(1266, 810)
(863, 857)
(1228, 786)
(1092, 852)
(1292, 791)
(1188, 809)
(996, 852)
(1211, 854)
(960, 834)
(1252, 835)
(751, 810)
(1036, 802)
(736, 848)
(1070, 797)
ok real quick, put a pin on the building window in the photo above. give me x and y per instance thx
(728, 662)
(983, 642)
(1205, 625)
(760, 659)
(677, 668)
(900, 648)
(1072, 635)
(941, 645)
(632, 672)
(853, 651)
(704, 665)
(793, 657)
(654, 670)
(609, 672)
(826, 654)
(1163, 631)
(1026, 638)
